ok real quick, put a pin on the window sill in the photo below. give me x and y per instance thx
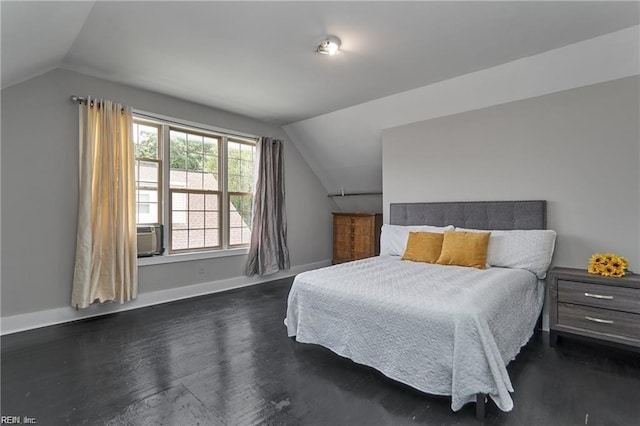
(186, 257)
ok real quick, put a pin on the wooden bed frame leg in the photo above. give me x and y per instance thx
(481, 400)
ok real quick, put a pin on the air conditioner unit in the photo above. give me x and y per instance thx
(150, 240)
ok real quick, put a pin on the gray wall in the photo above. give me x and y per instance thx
(578, 149)
(39, 191)
(359, 203)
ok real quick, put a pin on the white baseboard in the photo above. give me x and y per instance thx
(23, 322)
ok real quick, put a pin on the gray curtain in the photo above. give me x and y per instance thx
(268, 252)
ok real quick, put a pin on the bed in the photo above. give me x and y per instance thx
(444, 330)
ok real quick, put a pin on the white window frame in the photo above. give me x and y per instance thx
(167, 123)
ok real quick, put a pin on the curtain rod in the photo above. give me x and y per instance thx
(193, 125)
(349, 194)
(82, 100)
(77, 99)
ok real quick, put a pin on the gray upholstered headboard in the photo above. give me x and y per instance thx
(472, 214)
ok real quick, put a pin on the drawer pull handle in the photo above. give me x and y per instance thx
(601, 321)
(598, 296)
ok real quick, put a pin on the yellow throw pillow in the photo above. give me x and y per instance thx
(423, 247)
(465, 249)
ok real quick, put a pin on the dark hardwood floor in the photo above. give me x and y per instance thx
(225, 359)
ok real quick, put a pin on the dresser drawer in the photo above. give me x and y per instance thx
(602, 296)
(601, 321)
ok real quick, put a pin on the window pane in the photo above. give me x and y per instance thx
(196, 202)
(147, 174)
(190, 212)
(211, 146)
(211, 219)
(194, 180)
(178, 150)
(247, 152)
(248, 177)
(196, 238)
(234, 165)
(177, 179)
(196, 220)
(240, 167)
(179, 240)
(240, 210)
(240, 219)
(235, 236)
(148, 212)
(240, 178)
(212, 237)
(179, 200)
(179, 219)
(195, 161)
(211, 202)
(245, 184)
(234, 183)
(210, 178)
(233, 150)
(145, 140)
(194, 143)
(147, 206)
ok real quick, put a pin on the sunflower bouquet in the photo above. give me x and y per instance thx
(608, 265)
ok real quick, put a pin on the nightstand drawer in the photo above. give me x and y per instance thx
(600, 321)
(603, 296)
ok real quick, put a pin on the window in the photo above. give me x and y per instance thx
(240, 166)
(209, 185)
(147, 173)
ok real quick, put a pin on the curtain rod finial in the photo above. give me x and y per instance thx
(77, 99)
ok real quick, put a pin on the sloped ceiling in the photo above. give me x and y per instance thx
(257, 58)
(36, 36)
(344, 147)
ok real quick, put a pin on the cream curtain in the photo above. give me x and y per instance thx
(106, 264)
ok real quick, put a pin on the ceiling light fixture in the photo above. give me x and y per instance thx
(331, 46)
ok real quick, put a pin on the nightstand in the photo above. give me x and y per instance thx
(602, 308)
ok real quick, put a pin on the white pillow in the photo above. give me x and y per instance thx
(524, 249)
(393, 240)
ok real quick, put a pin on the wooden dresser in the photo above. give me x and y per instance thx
(602, 308)
(356, 236)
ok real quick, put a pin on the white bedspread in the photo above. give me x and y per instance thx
(444, 330)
